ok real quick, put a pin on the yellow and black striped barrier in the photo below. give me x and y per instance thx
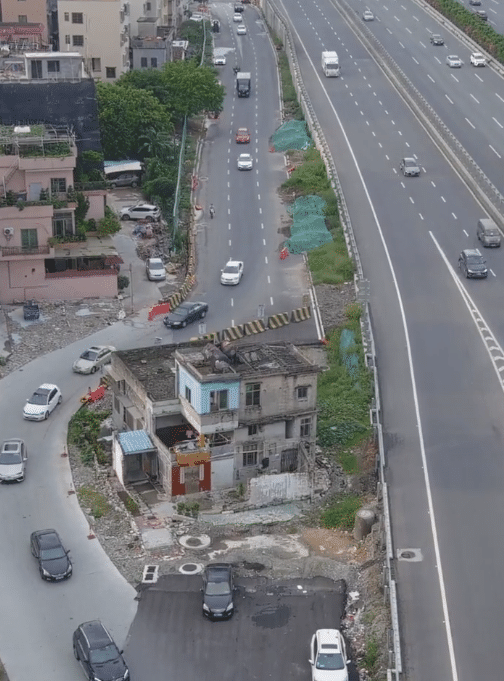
(231, 333)
(255, 326)
(301, 314)
(275, 321)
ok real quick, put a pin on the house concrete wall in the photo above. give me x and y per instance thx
(103, 31)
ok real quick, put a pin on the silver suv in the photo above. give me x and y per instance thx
(141, 211)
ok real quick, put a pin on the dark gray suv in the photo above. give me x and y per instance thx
(99, 656)
(472, 264)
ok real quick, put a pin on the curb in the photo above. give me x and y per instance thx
(301, 314)
(275, 321)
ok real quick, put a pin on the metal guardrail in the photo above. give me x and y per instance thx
(281, 27)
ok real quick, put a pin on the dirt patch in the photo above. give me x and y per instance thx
(336, 544)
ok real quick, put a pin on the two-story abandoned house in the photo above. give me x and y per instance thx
(198, 417)
(40, 256)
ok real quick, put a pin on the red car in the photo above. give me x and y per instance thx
(242, 136)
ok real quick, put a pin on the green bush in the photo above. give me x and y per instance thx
(122, 282)
(341, 512)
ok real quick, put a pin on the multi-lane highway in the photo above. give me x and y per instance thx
(442, 398)
(249, 213)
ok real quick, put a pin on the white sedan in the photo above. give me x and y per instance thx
(245, 162)
(241, 29)
(232, 273)
(453, 61)
(93, 358)
(43, 401)
(367, 15)
(219, 60)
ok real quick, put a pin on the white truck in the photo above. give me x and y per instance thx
(330, 64)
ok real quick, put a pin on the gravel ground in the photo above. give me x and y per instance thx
(333, 301)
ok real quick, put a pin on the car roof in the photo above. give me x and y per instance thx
(221, 570)
(96, 634)
(409, 159)
(155, 260)
(234, 262)
(243, 129)
(329, 638)
(13, 441)
(48, 538)
(471, 252)
(46, 387)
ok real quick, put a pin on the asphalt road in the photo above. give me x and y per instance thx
(468, 100)
(444, 445)
(268, 637)
(249, 212)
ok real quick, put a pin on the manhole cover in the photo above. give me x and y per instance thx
(190, 568)
(195, 542)
(411, 555)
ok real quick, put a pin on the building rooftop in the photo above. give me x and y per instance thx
(244, 359)
(154, 366)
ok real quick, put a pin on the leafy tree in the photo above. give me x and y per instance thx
(157, 145)
(124, 113)
(191, 89)
(146, 79)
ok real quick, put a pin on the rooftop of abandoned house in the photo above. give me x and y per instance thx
(233, 360)
(154, 366)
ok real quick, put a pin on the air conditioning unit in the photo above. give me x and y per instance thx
(9, 231)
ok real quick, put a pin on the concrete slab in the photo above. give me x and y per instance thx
(259, 516)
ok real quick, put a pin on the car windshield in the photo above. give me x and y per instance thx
(409, 162)
(10, 458)
(106, 654)
(156, 266)
(231, 269)
(330, 661)
(91, 355)
(475, 260)
(52, 554)
(217, 589)
(39, 398)
(181, 311)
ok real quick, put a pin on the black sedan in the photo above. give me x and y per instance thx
(218, 591)
(54, 563)
(184, 314)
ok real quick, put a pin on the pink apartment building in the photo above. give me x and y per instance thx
(36, 174)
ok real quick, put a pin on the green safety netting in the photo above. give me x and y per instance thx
(291, 135)
(308, 229)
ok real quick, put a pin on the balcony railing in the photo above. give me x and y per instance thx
(69, 274)
(19, 250)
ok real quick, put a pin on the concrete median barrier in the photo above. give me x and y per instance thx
(301, 314)
(275, 321)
